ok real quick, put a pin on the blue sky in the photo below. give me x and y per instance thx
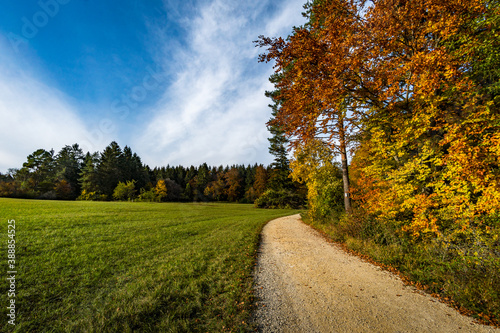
(177, 81)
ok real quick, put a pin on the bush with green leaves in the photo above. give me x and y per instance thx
(125, 191)
(325, 192)
(147, 196)
(279, 199)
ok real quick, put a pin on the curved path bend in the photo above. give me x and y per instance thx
(306, 284)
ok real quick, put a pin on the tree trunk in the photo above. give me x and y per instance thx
(345, 168)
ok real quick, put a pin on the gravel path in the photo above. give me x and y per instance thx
(305, 284)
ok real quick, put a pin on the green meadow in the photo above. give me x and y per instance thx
(130, 267)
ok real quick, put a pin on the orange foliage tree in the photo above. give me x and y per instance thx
(411, 82)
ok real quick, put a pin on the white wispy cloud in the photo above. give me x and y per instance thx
(215, 111)
(33, 115)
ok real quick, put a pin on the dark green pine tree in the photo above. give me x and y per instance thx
(202, 179)
(40, 167)
(69, 163)
(133, 169)
(188, 193)
(89, 180)
(139, 171)
(250, 176)
(110, 169)
(180, 175)
(190, 182)
(127, 167)
(279, 178)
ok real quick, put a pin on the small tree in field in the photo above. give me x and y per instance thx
(161, 190)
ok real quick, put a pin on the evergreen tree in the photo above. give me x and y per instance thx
(202, 180)
(110, 169)
(133, 169)
(89, 179)
(69, 162)
(280, 174)
(180, 175)
(40, 171)
(188, 192)
(250, 176)
(128, 166)
(190, 174)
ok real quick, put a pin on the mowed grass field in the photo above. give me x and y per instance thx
(131, 267)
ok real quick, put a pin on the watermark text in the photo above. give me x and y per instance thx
(11, 271)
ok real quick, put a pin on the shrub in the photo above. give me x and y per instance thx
(91, 196)
(279, 199)
(325, 192)
(125, 191)
(147, 196)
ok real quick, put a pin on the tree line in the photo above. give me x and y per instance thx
(119, 174)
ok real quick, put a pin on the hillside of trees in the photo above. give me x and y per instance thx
(119, 174)
(406, 94)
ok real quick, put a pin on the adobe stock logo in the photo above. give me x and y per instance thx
(30, 27)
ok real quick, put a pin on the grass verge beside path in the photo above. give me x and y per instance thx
(123, 267)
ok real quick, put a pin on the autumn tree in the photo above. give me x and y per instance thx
(216, 189)
(161, 191)
(414, 83)
(259, 184)
(311, 80)
(261, 178)
(430, 135)
(234, 188)
(313, 164)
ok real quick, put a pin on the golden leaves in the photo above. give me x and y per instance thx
(401, 72)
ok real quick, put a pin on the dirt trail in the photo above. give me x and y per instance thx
(305, 284)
